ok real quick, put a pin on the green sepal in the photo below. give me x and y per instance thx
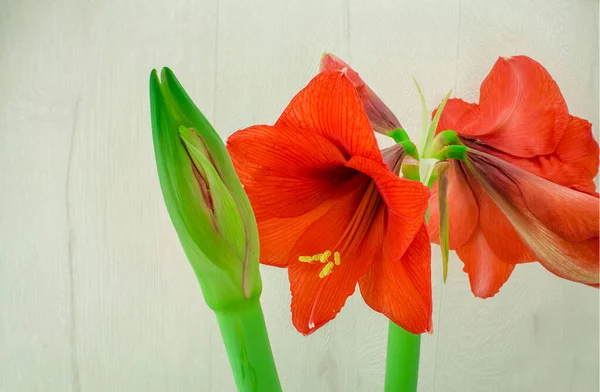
(441, 141)
(410, 149)
(448, 137)
(218, 232)
(399, 135)
(452, 152)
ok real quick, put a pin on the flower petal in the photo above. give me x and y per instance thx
(578, 151)
(498, 231)
(401, 289)
(487, 273)
(381, 117)
(330, 107)
(406, 203)
(521, 109)
(574, 163)
(462, 209)
(571, 214)
(454, 110)
(286, 173)
(315, 299)
(278, 236)
(559, 225)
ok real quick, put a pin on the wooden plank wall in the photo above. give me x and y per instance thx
(95, 292)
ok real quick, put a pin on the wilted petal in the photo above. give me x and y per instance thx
(559, 225)
(381, 117)
(393, 157)
(500, 234)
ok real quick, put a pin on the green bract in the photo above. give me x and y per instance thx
(205, 199)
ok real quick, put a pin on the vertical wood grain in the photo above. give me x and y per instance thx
(39, 98)
(142, 323)
(95, 292)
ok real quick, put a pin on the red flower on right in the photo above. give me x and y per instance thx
(524, 191)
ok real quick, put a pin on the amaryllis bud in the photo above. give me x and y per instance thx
(204, 197)
(380, 116)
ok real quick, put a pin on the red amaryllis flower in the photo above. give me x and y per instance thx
(330, 210)
(525, 190)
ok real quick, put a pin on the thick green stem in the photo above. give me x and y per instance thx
(403, 352)
(245, 336)
(402, 362)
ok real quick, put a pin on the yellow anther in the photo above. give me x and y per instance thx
(326, 270)
(323, 258)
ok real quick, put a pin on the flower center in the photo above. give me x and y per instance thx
(355, 231)
(361, 221)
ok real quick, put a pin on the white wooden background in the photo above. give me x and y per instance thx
(95, 292)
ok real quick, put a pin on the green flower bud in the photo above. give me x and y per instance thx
(204, 197)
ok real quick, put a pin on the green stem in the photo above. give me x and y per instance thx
(402, 363)
(403, 352)
(247, 343)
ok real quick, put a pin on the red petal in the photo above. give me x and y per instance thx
(454, 110)
(558, 224)
(573, 164)
(286, 173)
(279, 235)
(487, 273)
(381, 117)
(462, 207)
(521, 109)
(578, 151)
(571, 214)
(401, 289)
(498, 231)
(330, 107)
(406, 203)
(315, 300)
